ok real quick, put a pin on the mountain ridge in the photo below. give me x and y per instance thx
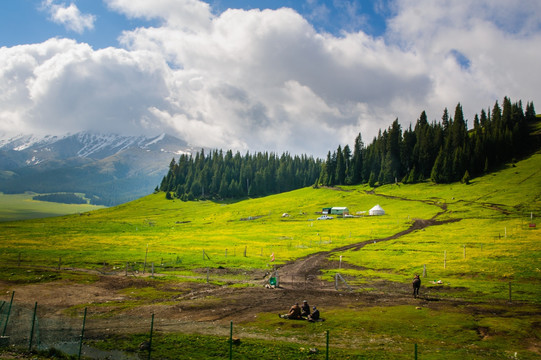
(109, 168)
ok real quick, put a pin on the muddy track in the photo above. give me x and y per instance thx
(312, 264)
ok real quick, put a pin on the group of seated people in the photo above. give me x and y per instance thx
(302, 313)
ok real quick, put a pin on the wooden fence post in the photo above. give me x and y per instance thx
(8, 313)
(82, 336)
(327, 350)
(150, 341)
(32, 327)
(145, 265)
(231, 340)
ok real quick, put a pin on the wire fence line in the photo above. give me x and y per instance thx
(48, 328)
(45, 328)
(30, 330)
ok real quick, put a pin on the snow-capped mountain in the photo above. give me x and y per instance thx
(112, 168)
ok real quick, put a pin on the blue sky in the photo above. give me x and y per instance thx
(273, 75)
(28, 21)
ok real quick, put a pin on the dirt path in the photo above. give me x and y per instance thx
(201, 307)
(312, 264)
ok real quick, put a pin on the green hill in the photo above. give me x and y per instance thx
(474, 243)
(24, 206)
(185, 229)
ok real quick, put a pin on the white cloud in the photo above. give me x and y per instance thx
(69, 16)
(61, 85)
(189, 15)
(256, 65)
(267, 80)
(496, 37)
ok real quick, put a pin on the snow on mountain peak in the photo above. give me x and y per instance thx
(155, 140)
(22, 142)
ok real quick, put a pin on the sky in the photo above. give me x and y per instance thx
(297, 76)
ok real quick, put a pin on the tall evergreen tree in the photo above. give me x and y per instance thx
(340, 167)
(357, 161)
(445, 122)
(347, 160)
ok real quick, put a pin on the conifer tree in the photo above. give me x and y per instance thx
(445, 122)
(347, 161)
(340, 167)
(357, 161)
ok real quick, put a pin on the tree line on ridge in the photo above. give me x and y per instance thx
(441, 151)
(222, 175)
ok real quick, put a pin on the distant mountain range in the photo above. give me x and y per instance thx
(110, 169)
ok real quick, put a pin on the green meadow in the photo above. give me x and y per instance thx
(482, 244)
(176, 230)
(23, 207)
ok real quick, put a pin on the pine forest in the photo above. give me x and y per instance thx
(440, 151)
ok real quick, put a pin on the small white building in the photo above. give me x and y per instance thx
(376, 210)
(339, 210)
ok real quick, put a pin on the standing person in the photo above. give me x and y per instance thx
(305, 309)
(314, 316)
(416, 285)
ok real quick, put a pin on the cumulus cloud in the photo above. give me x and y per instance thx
(268, 80)
(260, 67)
(69, 16)
(61, 84)
(476, 52)
(189, 15)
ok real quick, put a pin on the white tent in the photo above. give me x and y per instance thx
(376, 210)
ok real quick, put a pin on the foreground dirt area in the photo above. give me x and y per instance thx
(194, 306)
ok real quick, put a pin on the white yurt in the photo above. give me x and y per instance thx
(376, 210)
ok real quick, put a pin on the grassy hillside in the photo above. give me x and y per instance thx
(22, 207)
(480, 240)
(487, 208)
(174, 229)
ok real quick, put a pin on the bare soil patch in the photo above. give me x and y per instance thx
(202, 302)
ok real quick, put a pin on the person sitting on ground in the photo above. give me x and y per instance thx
(305, 309)
(314, 316)
(294, 313)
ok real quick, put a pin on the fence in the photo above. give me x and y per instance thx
(26, 331)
